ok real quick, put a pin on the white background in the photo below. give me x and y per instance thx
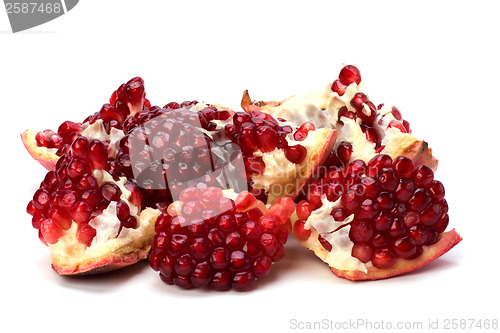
(437, 61)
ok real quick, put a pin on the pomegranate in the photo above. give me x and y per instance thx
(219, 240)
(89, 216)
(375, 220)
(106, 125)
(343, 104)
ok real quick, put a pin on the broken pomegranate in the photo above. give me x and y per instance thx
(90, 217)
(216, 239)
(375, 220)
(364, 130)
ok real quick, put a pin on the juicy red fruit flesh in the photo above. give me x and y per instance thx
(397, 207)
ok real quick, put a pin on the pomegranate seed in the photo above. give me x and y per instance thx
(240, 118)
(423, 176)
(300, 231)
(85, 234)
(111, 192)
(396, 113)
(350, 74)
(339, 215)
(361, 231)
(338, 87)
(267, 138)
(296, 154)
(304, 210)
(303, 130)
(385, 200)
(247, 138)
(67, 128)
(358, 100)
(405, 247)
(344, 112)
(403, 166)
(326, 245)
(411, 219)
(44, 140)
(362, 251)
(377, 163)
(383, 258)
(344, 152)
(441, 225)
(436, 190)
(387, 179)
(397, 125)
(404, 189)
(50, 231)
(419, 234)
(431, 214)
(262, 266)
(419, 200)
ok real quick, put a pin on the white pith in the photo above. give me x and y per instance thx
(320, 222)
(279, 171)
(107, 226)
(97, 131)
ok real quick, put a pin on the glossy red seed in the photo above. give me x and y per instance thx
(387, 179)
(338, 87)
(422, 176)
(403, 166)
(303, 130)
(404, 189)
(85, 234)
(362, 251)
(419, 200)
(296, 154)
(361, 231)
(377, 163)
(350, 74)
(299, 230)
(344, 151)
(267, 138)
(405, 247)
(383, 258)
(431, 214)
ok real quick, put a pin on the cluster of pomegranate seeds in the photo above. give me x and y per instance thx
(365, 110)
(166, 151)
(217, 243)
(70, 193)
(127, 100)
(397, 207)
(259, 131)
(66, 132)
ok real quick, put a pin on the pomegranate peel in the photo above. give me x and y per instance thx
(430, 253)
(45, 156)
(69, 257)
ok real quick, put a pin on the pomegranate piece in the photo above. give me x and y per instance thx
(378, 226)
(81, 206)
(231, 247)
